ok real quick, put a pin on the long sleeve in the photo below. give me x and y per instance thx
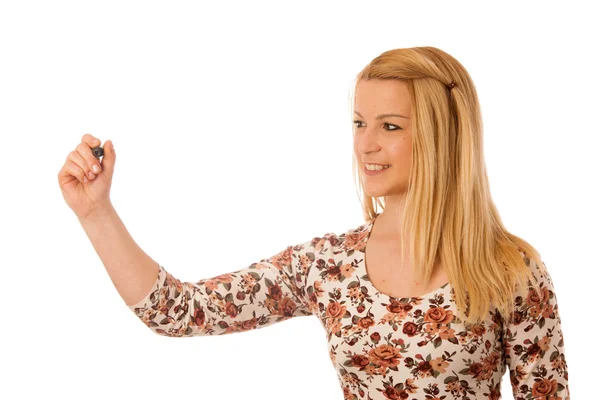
(264, 293)
(533, 343)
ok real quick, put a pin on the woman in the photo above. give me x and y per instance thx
(444, 300)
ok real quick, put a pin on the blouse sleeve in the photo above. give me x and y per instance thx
(262, 294)
(533, 342)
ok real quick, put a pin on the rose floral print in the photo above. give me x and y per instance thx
(381, 347)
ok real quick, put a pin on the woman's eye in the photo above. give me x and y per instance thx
(388, 125)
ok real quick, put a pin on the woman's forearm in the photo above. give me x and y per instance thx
(131, 270)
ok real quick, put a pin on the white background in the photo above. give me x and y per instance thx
(233, 136)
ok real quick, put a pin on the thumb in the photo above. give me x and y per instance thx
(109, 157)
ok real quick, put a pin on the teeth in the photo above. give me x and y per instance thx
(371, 167)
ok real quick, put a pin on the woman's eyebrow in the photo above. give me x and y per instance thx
(384, 115)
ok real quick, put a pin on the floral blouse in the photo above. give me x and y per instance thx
(382, 347)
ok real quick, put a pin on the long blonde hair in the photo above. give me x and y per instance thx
(449, 209)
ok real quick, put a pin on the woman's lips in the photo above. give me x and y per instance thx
(373, 173)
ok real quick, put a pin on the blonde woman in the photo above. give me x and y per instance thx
(444, 300)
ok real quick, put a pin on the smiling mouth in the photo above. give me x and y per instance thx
(378, 169)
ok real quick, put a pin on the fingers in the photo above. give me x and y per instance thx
(81, 162)
(91, 141)
(90, 162)
(75, 170)
(76, 158)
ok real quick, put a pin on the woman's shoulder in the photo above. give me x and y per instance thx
(343, 240)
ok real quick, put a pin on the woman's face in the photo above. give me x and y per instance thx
(383, 138)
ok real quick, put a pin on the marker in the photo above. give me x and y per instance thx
(98, 152)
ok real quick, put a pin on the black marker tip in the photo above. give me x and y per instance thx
(98, 152)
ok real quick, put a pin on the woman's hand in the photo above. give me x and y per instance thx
(84, 189)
